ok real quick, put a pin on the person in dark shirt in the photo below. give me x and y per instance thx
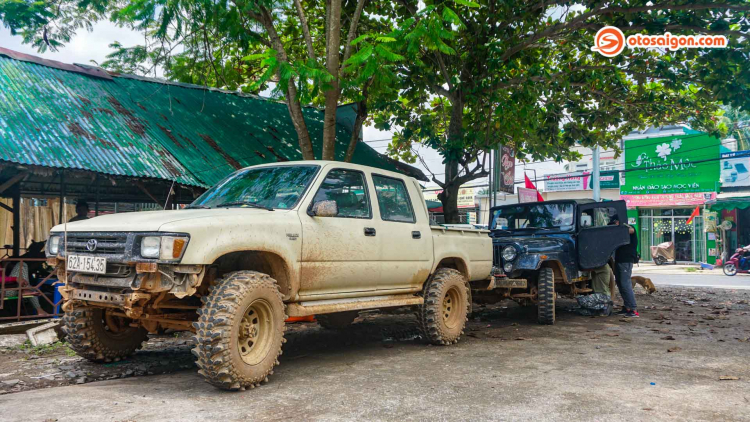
(625, 257)
(82, 211)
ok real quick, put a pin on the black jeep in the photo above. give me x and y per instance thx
(542, 249)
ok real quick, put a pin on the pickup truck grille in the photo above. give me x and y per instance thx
(106, 244)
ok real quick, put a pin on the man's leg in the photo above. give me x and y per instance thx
(623, 271)
(600, 280)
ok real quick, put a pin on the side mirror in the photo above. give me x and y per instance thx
(324, 209)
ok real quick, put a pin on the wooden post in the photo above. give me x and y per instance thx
(62, 194)
(17, 221)
(96, 206)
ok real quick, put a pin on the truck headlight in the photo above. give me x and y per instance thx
(54, 245)
(509, 253)
(508, 267)
(150, 246)
(166, 248)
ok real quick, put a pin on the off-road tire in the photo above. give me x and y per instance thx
(546, 296)
(237, 300)
(92, 338)
(449, 285)
(337, 321)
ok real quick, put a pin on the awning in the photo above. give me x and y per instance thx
(730, 201)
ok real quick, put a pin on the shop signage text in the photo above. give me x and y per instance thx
(674, 164)
(580, 180)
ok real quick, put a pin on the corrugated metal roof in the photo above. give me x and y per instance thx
(134, 127)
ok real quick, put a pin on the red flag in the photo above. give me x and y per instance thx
(696, 212)
(530, 185)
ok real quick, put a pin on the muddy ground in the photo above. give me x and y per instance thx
(671, 361)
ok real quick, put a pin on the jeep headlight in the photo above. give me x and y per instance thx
(165, 248)
(509, 253)
(508, 267)
(53, 245)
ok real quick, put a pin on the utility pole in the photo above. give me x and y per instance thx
(595, 180)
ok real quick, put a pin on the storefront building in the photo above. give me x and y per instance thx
(665, 179)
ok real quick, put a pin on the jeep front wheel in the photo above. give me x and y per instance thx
(546, 296)
(443, 315)
(240, 331)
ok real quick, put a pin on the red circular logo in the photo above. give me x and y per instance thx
(609, 41)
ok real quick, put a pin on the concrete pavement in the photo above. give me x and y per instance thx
(665, 365)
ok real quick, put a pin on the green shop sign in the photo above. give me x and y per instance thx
(674, 164)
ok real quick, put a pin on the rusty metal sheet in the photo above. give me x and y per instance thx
(59, 116)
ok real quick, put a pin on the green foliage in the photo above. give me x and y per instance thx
(479, 74)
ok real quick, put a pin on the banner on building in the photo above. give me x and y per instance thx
(735, 169)
(671, 199)
(465, 197)
(505, 169)
(527, 195)
(580, 180)
(671, 164)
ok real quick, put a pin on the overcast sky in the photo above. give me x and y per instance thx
(86, 47)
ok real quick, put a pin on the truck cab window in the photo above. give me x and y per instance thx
(348, 189)
(393, 199)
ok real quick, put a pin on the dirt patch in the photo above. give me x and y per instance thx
(692, 321)
(229, 159)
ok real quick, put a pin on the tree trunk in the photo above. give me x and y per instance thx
(292, 101)
(449, 197)
(333, 42)
(354, 140)
(298, 120)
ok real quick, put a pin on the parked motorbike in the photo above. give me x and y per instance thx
(738, 263)
(662, 253)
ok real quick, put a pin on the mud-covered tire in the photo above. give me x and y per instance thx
(240, 331)
(443, 315)
(337, 321)
(91, 337)
(546, 297)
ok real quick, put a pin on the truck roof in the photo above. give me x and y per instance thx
(338, 164)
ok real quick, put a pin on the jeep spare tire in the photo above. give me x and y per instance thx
(240, 331)
(546, 297)
(443, 315)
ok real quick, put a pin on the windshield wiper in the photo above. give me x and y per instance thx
(193, 207)
(252, 204)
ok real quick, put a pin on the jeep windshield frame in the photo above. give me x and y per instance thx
(553, 217)
(270, 187)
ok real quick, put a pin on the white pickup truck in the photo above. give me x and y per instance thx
(268, 242)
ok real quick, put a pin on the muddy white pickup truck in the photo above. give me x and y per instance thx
(269, 242)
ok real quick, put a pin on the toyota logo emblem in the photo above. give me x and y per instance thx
(91, 245)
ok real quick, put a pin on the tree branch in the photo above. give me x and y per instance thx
(305, 29)
(352, 30)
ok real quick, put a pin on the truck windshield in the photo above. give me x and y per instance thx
(537, 216)
(278, 187)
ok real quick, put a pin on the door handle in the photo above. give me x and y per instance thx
(369, 231)
(416, 235)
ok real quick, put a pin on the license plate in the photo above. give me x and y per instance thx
(87, 264)
(508, 283)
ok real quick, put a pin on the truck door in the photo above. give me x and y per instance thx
(406, 248)
(597, 238)
(340, 250)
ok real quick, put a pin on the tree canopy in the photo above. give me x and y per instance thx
(460, 76)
